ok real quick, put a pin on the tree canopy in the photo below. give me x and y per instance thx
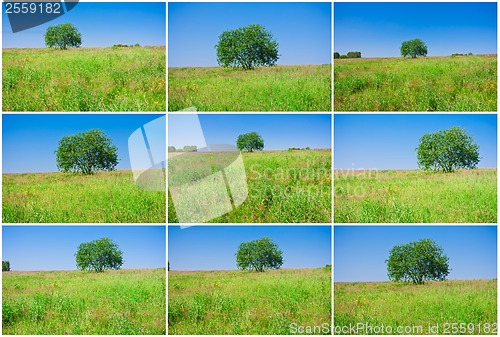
(417, 262)
(247, 47)
(99, 255)
(259, 255)
(86, 152)
(63, 36)
(249, 142)
(5, 266)
(447, 150)
(413, 48)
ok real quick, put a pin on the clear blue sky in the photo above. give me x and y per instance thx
(31, 248)
(378, 29)
(279, 131)
(102, 24)
(213, 247)
(29, 141)
(360, 251)
(389, 141)
(302, 30)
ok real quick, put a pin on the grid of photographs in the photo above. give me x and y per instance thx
(249, 168)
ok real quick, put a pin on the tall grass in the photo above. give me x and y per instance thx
(62, 198)
(280, 88)
(123, 302)
(423, 84)
(87, 79)
(283, 187)
(390, 196)
(438, 303)
(237, 302)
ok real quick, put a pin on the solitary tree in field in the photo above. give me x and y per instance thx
(63, 36)
(259, 255)
(417, 262)
(86, 152)
(249, 142)
(413, 48)
(5, 266)
(447, 150)
(99, 255)
(247, 47)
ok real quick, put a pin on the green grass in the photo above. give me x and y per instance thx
(61, 198)
(473, 302)
(123, 302)
(423, 84)
(283, 187)
(279, 88)
(415, 196)
(84, 79)
(238, 302)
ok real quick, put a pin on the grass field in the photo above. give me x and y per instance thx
(415, 196)
(84, 79)
(414, 307)
(123, 302)
(465, 83)
(283, 187)
(238, 302)
(279, 88)
(62, 198)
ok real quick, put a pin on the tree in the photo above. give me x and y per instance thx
(99, 255)
(413, 48)
(417, 262)
(259, 255)
(336, 55)
(63, 36)
(447, 150)
(249, 142)
(354, 54)
(86, 152)
(171, 149)
(247, 47)
(5, 266)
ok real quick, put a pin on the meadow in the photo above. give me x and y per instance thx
(238, 302)
(415, 196)
(460, 83)
(454, 307)
(110, 197)
(121, 302)
(278, 88)
(84, 79)
(283, 187)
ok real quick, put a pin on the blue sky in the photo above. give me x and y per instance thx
(30, 248)
(302, 30)
(279, 132)
(360, 251)
(213, 247)
(389, 141)
(378, 29)
(102, 24)
(29, 141)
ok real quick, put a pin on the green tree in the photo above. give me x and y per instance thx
(5, 266)
(413, 48)
(417, 262)
(249, 142)
(99, 255)
(171, 149)
(63, 36)
(336, 55)
(86, 152)
(247, 47)
(447, 150)
(259, 255)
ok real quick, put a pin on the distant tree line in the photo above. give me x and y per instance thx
(119, 45)
(298, 148)
(186, 148)
(457, 54)
(350, 55)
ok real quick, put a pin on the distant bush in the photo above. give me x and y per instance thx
(457, 54)
(354, 54)
(190, 148)
(119, 45)
(137, 45)
(336, 55)
(171, 149)
(343, 56)
(5, 266)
